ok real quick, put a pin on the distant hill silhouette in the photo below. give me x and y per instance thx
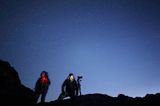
(12, 92)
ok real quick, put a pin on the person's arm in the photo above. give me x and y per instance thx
(63, 86)
(37, 84)
(76, 87)
(49, 82)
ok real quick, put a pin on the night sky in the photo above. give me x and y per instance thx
(113, 44)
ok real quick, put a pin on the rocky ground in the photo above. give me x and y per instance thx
(13, 92)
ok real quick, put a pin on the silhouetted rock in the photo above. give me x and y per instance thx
(151, 99)
(11, 89)
(84, 100)
(12, 92)
(105, 100)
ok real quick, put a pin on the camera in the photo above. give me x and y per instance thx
(80, 77)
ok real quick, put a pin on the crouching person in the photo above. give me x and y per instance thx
(69, 88)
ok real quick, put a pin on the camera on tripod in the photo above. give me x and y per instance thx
(79, 78)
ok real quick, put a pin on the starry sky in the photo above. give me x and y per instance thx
(113, 44)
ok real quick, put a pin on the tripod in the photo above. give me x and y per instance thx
(79, 84)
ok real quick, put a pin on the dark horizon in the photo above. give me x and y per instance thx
(114, 45)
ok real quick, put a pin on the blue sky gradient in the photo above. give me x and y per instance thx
(113, 44)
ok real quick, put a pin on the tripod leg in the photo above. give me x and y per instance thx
(80, 90)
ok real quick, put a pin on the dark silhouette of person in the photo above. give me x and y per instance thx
(42, 85)
(69, 88)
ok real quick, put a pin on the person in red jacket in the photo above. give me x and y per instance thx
(42, 85)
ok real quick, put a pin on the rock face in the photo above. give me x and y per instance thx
(105, 100)
(12, 92)
(11, 89)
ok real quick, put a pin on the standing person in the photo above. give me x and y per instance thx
(42, 85)
(69, 87)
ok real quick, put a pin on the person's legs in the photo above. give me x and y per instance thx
(62, 96)
(72, 94)
(37, 97)
(43, 96)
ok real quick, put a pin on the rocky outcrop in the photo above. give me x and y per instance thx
(105, 100)
(13, 92)
(11, 89)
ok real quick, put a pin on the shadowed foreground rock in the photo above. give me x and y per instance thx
(13, 93)
(105, 100)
